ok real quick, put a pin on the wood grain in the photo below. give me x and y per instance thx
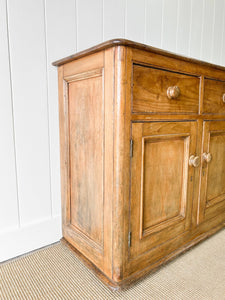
(64, 148)
(134, 45)
(77, 230)
(212, 196)
(120, 143)
(130, 198)
(150, 87)
(86, 156)
(163, 160)
(161, 185)
(108, 158)
(213, 96)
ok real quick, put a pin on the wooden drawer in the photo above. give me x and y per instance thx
(150, 86)
(214, 96)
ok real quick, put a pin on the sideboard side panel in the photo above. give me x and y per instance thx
(82, 133)
(64, 154)
(86, 125)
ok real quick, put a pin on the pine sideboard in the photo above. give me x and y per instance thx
(142, 137)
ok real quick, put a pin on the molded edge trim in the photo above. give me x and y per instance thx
(132, 44)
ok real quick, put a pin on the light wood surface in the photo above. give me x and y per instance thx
(142, 156)
(214, 96)
(133, 45)
(86, 155)
(161, 184)
(212, 201)
(150, 91)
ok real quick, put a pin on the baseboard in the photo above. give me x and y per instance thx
(28, 238)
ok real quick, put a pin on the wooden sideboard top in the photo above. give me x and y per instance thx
(132, 44)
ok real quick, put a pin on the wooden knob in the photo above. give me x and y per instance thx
(207, 157)
(194, 161)
(173, 92)
(223, 98)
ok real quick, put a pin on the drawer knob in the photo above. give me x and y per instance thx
(207, 157)
(194, 161)
(223, 98)
(173, 92)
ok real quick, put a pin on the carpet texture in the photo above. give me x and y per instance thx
(56, 273)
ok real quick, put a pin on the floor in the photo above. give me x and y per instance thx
(56, 273)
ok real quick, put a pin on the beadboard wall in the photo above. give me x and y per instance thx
(34, 33)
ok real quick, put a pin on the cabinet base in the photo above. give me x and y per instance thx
(109, 283)
(140, 275)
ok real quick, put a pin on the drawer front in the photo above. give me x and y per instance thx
(155, 91)
(214, 96)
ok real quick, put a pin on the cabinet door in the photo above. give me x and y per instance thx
(212, 196)
(161, 183)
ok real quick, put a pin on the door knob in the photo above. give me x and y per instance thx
(194, 161)
(223, 98)
(207, 157)
(173, 92)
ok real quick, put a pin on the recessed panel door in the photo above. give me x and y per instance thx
(162, 175)
(212, 196)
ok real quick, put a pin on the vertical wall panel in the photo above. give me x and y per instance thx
(217, 31)
(207, 33)
(8, 199)
(196, 28)
(89, 18)
(113, 13)
(154, 22)
(183, 26)
(28, 64)
(135, 18)
(169, 27)
(60, 18)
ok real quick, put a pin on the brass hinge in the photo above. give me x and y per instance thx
(131, 148)
(129, 239)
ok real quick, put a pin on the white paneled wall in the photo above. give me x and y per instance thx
(29, 95)
(113, 19)
(9, 214)
(183, 26)
(154, 21)
(33, 33)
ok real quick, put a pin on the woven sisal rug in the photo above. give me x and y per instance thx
(56, 273)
